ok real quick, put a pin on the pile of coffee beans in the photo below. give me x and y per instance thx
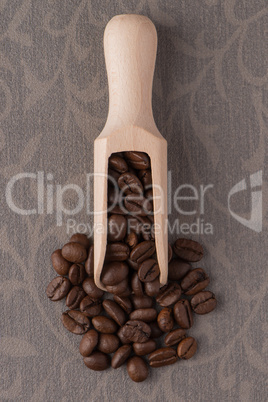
(142, 318)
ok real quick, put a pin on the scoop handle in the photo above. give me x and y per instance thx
(130, 43)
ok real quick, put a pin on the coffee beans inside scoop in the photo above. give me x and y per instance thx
(127, 324)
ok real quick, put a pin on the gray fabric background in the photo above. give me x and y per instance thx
(210, 101)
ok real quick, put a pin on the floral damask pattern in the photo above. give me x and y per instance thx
(210, 101)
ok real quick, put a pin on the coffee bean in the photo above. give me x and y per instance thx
(155, 330)
(137, 369)
(113, 195)
(90, 306)
(175, 336)
(104, 325)
(138, 160)
(144, 314)
(130, 184)
(136, 285)
(124, 302)
(80, 238)
(169, 294)
(183, 314)
(124, 340)
(170, 254)
(74, 297)
(117, 252)
(77, 274)
(114, 272)
(91, 289)
(187, 348)
(59, 263)
(145, 177)
(118, 164)
(97, 361)
(113, 175)
(142, 251)
(195, 281)
(120, 356)
(74, 252)
(177, 269)
(131, 240)
(115, 311)
(137, 204)
(136, 331)
(89, 264)
(75, 321)
(149, 270)
(163, 357)
(117, 209)
(142, 349)
(108, 343)
(117, 228)
(152, 288)
(58, 288)
(165, 320)
(88, 342)
(120, 289)
(132, 264)
(141, 225)
(203, 302)
(188, 250)
(142, 301)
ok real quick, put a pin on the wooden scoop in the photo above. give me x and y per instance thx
(130, 43)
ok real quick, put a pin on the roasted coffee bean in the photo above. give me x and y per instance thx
(203, 302)
(142, 251)
(58, 288)
(88, 342)
(144, 314)
(74, 252)
(117, 228)
(122, 337)
(138, 160)
(108, 343)
(124, 302)
(114, 272)
(130, 184)
(142, 301)
(113, 176)
(80, 238)
(104, 325)
(97, 361)
(136, 331)
(152, 288)
(187, 348)
(132, 264)
(120, 289)
(141, 225)
(74, 297)
(169, 294)
(113, 194)
(115, 311)
(137, 204)
(89, 264)
(118, 164)
(77, 274)
(145, 177)
(177, 269)
(195, 281)
(142, 349)
(170, 254)
(120, 356)
(155, 330)
(149, 270)
(137, 369)
(183, 314)
(117, 209)
(188, 250)
(136, 285)
(59, 263)
(75, 321)
(175, 336)
(149, 194)
(90, 306)
(91, 289)
(132, 240)
(163, 357)
(117, 252)
(165, 320)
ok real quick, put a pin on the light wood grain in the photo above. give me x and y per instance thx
(130, 43)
